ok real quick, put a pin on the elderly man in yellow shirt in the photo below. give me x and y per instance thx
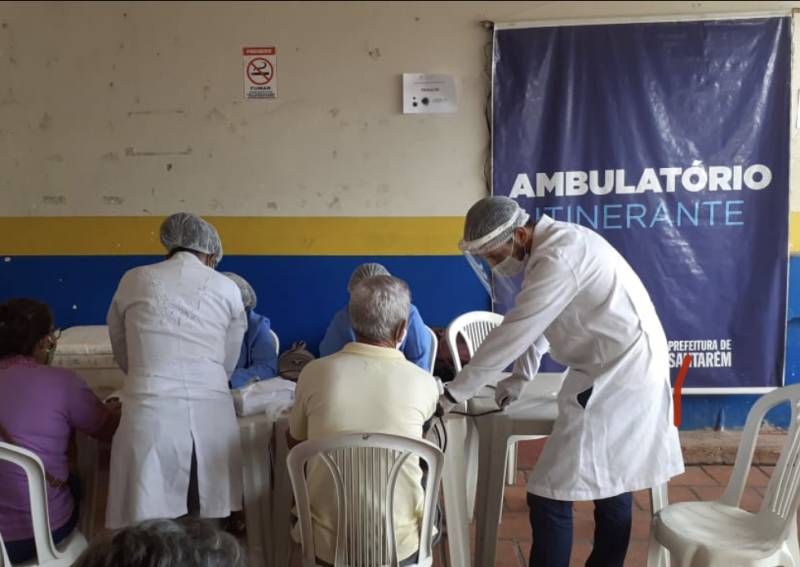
(367, 387)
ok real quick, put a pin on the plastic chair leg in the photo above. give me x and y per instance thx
(70, 549)
(282, 500)
(659, 498)
(494, 433)
(453, 490)
(793, 544)
(88, 450)
(511, 465)
(657, 554)
(256, 483)
(471, 460)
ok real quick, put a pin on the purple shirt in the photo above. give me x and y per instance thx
(39, 407)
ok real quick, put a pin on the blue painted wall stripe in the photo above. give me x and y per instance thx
(301, 293)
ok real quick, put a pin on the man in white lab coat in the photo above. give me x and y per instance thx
(176, 331)
(614, 433)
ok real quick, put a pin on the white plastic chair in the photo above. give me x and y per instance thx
(47, 553)
(356, 462)
(434, 348)
(720, 533)
(473, 327)
(4, 560)
(277, 342)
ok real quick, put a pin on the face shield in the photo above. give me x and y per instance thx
(492, 259)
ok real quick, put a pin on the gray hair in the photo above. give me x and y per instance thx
(185, 230)
(377, 306)
(249, 297)
(186, 542)
(366, 271)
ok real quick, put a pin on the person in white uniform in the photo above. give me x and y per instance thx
(614, 433)
(176, 331)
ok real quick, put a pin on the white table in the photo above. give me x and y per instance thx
(533, 414)
(282, 502)
(256, 434)
(454, 486)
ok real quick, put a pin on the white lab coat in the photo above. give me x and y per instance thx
(589, 304)
(176, 330)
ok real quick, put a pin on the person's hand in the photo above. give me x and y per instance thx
(509, 390)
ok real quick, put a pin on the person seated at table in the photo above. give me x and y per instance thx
(40, 407)
(366, 387)
(187, 542)
(416, 346)
(258, 360)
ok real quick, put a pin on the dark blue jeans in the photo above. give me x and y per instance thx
(551, 522)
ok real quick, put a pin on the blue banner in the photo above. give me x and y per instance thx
(672, 141)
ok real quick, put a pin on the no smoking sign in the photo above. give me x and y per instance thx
(260, 72)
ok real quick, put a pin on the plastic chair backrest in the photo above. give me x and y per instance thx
(364, 468)
(276, 340)
(37, 491)
(783, 491)
(473, 327)
(434, 348)
(4, 560)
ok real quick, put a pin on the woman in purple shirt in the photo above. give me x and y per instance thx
(40, 406)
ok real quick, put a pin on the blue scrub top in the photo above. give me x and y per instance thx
(258, 357)
(416, 347)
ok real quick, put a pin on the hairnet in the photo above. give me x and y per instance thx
(185, 230)
(249, 297)
(490, 223)
(364, 271)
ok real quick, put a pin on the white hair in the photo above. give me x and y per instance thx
(377, 306)
(186, 542)
(249, 297)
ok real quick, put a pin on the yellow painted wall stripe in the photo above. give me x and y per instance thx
(254, 236)
(794, 233)
(279, 236)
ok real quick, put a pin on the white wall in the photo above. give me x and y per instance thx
(81, 83)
